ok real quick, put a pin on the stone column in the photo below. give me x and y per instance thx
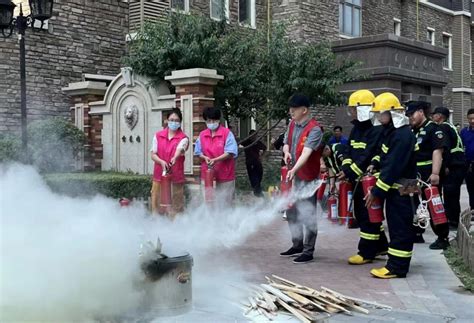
(82, 93)
(194, 92)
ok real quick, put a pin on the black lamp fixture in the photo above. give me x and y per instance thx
(40, 10)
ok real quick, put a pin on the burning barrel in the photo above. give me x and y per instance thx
(169, 284)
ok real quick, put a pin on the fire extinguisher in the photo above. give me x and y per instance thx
(165, 193)
(124, 201)
(376, 209)
(332, 208)
(209, 195)
(438, 215)
(285, 186)
(345, 198)
(322, 189)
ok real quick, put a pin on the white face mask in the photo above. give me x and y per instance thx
(363, 112)
(399, 119)
(212, 126)
(374, 118)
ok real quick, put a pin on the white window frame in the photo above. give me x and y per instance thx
(470, 57)
(432, 31)
(253, 15)
(226, 11)
(397, 26)
(341, 14)
(186, 7)
(450, 51)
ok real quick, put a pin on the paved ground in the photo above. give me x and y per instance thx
(430, 292)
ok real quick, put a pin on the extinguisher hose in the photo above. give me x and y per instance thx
(355, 187)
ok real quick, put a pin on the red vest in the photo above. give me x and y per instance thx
(310, 170)
(166, 151)
(213, 147)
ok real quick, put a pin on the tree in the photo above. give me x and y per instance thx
(260, 72)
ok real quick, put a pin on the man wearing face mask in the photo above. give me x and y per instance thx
(217, 148)
(363, 142)
(397, 162)
(430, 142)
(302, 149)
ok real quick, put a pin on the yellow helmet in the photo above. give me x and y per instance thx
(385, 102)
(361, 97)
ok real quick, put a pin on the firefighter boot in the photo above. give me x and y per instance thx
(358, 260)
(384, 273)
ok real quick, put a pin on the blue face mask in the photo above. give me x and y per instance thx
(212, 126)
(174, 125)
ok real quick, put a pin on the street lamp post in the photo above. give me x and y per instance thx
(39, 10)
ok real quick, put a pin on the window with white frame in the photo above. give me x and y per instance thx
(430, 36)
(219, 9)
(350, 13)
(397, 26)
(447, 43)
(247, 12)
(180, 5)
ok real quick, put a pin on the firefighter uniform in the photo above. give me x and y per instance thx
(397, 161)
(454, 169)
(429, 137)
(363, 142)
(335, 159)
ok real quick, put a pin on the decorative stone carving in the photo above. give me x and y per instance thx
(131, 116)
(127, 74)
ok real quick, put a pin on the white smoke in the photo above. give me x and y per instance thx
(65, 259)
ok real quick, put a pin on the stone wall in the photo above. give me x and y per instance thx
(84, 37)
(377, 16)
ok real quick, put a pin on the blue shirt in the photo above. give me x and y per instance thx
(343, 140)
(467, 136)
(229, 147)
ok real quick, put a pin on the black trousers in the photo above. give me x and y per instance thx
(470, 183)
(441, 230)
(372, 235)
(452, 193)
(255, 172)
(401, 230)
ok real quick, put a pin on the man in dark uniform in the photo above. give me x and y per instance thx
(430, 142)
(253, 150)
(397, 162)
(333, 156)
(363, 142)
(454, 166)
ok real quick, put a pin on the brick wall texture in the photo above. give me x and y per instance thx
(86, 37)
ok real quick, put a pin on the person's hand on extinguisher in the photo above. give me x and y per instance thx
(369, 200)
(341, 176)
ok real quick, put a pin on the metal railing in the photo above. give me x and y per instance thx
(465, 238)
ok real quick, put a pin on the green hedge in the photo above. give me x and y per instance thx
(111, 184)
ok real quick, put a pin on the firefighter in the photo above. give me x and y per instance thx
(454, 166)
(430, 141)
(363, 142)
(397, 161)
(333, 156)
(302, 149)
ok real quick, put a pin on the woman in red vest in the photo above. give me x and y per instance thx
(169, 146)
(217, 148)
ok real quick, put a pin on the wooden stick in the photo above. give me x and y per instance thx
(278, 293)
(359, 300)
(293, 311)
(300, 299)
(293, 289)
(288, 282)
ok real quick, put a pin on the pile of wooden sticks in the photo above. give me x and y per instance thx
(305, 303)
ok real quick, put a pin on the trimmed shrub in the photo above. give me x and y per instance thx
(10, 148)
(111, 184)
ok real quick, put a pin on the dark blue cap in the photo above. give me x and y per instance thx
(442, 110)
(413, 106)
(299, 100)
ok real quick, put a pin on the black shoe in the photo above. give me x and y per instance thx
(303, 259)
(292, 252)
(440, 244)
(419, 238)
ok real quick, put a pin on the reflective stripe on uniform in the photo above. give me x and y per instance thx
(384, 148)
(356, 169)
(382, 228)
(376, 158)
(347, 161)
(400, 253)
(455, 150)
(459, 146)
(380, 184)
(377, 174)
(424, 163)
(417, 147)
(369, 236)
(358, 144)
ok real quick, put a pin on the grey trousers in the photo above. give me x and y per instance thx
(303, 224)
